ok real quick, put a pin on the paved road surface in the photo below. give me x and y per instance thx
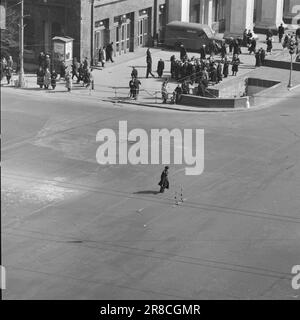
(72, 229)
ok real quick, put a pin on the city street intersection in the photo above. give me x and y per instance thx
(73, 229)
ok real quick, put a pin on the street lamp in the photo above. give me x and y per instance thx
(292, 47)
(21, 74)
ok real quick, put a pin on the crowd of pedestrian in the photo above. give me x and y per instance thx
(47, 75)
(6, 68)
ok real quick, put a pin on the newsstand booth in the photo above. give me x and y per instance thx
(62, 52)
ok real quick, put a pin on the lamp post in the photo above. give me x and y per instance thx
(292, 47)
(291, 69)
(21, 74)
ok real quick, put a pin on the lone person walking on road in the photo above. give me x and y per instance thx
(164, 180)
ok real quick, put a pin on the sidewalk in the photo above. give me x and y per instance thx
(117, 75)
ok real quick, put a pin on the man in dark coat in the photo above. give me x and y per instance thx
(258, 58)
(149, 69)
(160, 68)
(178, 93)
(137, 84)
(252, 47)
(183, 52)
(164, 180)
(280, 32)
(226, 67)
(203, 52)
(269, 34)
(109, 52)
(262, 56)
(134, 73)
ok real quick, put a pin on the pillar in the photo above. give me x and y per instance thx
(185, 10)
(178, 10)
(202, 11)
(239, 16)
(269, 15)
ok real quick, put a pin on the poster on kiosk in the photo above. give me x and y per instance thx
(62, 52)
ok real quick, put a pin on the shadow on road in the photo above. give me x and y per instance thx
(147, 192)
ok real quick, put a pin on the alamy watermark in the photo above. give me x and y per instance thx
(296, 278)
(187, 145)
(3, 278)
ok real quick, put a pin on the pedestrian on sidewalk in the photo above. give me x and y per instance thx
(41, 60)
(40, 77)
(262, 56)
(258, 58)
(68, 79)
(160, 68)
(236, 47)
(109, 52)
(173, 66)
(3, 66)
(269, 34)
(269, 45)
(90, 79)
(102, 56)
(280, 32)
(252, 47)
(75, 69)
(235, 64)
(219, 72)
(164, 91)
(47, 79)
(164, 180)
(226, 67)
(223, 50)
(131, 88)
(249, 37)
(63, 68)
(137, 84)
(178, 93)
(8, 73)
(203, 52)
(134, 73)
(183, 53)
(149, 69)
(54, 76)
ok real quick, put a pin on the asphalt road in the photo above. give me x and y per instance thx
(73, 229)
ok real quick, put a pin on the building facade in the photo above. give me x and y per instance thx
(128, 24)
(92, 24)
(233, 16)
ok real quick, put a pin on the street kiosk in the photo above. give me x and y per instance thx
(62, 52)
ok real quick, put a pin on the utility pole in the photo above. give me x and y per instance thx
(292, 48)
(21, 74)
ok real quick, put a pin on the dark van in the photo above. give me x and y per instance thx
(191, 35)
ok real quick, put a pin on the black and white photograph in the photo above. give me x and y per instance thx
(150, 152)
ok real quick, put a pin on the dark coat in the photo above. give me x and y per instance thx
(134, 73)
(160, 67)
(164, 181)
(183, 53)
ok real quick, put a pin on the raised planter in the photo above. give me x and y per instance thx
(282, 64)
(202, 102)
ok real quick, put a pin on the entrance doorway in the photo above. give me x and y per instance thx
(143, 31)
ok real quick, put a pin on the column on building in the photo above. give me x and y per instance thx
(269, 15)
(239, 16)
(208, 12)
(185, 10)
